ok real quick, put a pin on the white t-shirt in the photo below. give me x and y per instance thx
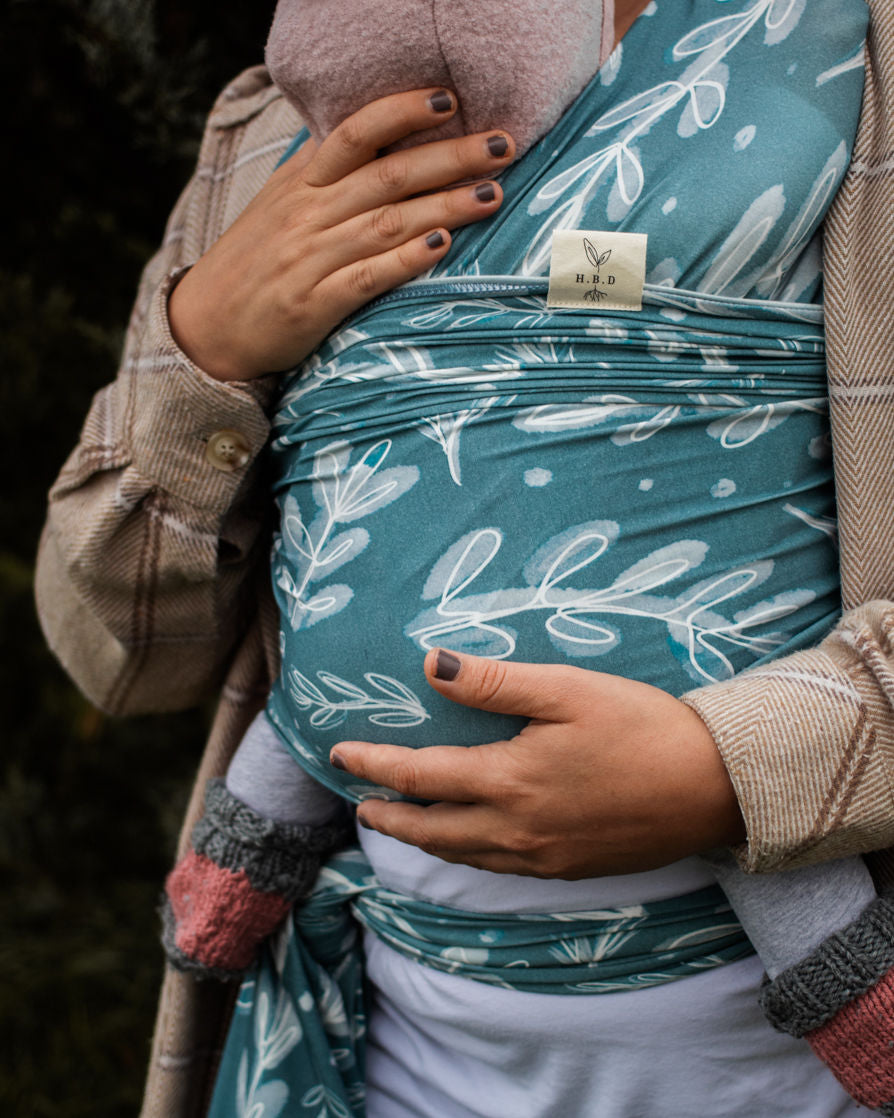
(443, 1046)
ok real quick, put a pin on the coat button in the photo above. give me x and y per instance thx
(227, 450)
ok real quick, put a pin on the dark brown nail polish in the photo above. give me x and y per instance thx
(434, 240)
(446, 666)
(337, 762)
(441, 102)
(485, 192)
(497, 146)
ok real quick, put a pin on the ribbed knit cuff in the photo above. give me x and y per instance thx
(237, 884)
(276, 857)
(844, 966)
(841, 999)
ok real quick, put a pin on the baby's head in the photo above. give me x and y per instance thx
(514, 64)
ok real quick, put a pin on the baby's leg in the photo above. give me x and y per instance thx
(827, 943)
(265, 776)
(788, 915)
(255, 852)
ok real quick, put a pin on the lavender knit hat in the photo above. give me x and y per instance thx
(514, 64)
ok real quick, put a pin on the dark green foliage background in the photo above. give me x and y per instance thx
(105, 101)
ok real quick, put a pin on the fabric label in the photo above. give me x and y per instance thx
(593, 269)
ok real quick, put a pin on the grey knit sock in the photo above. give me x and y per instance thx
(238, 882)
(844, 966)
(277, 857)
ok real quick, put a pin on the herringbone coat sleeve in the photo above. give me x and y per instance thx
(150, 554)
(809, 739)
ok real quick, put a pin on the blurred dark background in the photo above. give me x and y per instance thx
(105, 103)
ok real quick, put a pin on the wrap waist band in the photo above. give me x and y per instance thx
(596, 952)
(431, 348)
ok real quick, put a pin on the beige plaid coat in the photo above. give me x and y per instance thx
(152, 576)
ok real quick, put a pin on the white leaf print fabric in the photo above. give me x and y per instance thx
(644, 493)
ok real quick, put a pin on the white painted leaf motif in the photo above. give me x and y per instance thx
(566, 216)
(410, 360)
(446, 430)
(277, 1032)
(717, 33)
(341, 686)
(358, 496)
(374, 498)
(332, 1006)
(576, 623)
(471, 956)
(579, 637)
(629, 433)
(262, 1015)
(707, 100)
(304, 693)
(327, 602)
(598, 164)
(546, 563)
(630, 175)
(279, 945)
(855, 62)
(711, 592)
(740, 246)
(270, 1099)
(294, 531)
(342, 548)
(574, 557)
(394, 718)
(661, 566)
(329, 463)
(465, 630)
(797, 235)
(330, 1106)
(697, 627)
(242, 1085)
(342, 493)
(782, 18)
(474, 311)
(561, 417)
(655, 100)
(780, 605)
(691, 939)
(828, 525)
(462, 563)
(394, 705)
(392, 687)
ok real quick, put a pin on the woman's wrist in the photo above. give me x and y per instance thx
(185, 315)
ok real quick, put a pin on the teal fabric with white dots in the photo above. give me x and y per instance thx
(644, 493)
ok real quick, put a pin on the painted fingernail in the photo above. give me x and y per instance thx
(485, 192)
(441, 102)
(434, 240)
(446, 666)
(337, 762)
(497, 146)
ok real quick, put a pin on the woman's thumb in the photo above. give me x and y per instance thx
(502, 686)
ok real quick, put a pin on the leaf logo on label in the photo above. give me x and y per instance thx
(613, 275)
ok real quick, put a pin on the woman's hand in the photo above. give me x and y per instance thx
(610, 776)
(332, 228)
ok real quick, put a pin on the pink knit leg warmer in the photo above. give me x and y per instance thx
(841, 1000)
(238, 883)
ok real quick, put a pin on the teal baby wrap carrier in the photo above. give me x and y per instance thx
(647, 493)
